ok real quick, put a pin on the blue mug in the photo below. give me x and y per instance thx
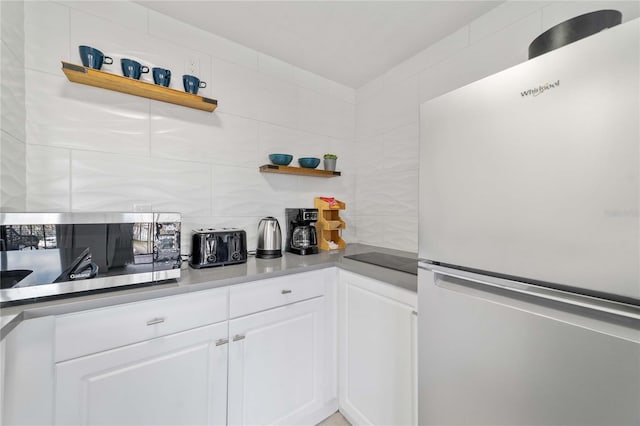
(161, 76)
(192, 84)
(93, 58)
(133, 69)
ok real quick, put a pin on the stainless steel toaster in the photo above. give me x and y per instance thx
(217, 247)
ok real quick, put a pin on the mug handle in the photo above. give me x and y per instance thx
(145, 69)
(108, 60)
(202, 85)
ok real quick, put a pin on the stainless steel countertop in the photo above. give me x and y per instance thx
(207, 278)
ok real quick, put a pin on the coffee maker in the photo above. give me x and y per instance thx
(301, 231)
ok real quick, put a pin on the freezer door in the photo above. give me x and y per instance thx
(534, 172)
(492, 356)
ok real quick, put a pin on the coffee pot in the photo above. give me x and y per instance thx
(269, 239)
(303, 237)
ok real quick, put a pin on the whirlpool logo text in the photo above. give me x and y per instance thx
(540, 89)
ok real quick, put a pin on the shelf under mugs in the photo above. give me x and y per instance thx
(89, 76)
(273, 168)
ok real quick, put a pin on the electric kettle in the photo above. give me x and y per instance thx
(269, 238)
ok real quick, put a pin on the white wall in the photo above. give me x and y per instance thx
(387, 108)
(12, 109)
(89, 149)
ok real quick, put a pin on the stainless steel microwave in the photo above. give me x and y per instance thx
(44, 255)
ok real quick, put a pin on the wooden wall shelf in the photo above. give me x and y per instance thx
(272, 168)
(105, 80)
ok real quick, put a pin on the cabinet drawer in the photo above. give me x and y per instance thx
(260, 295)
(86, 332)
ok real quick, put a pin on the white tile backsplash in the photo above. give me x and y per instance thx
(182, 134)
(47, 37)
(12, 27)
(276, 139)
(92, 149)
(12, 173)
(275, 67)
(387, 193)
(401, 103)
(309, 80)
(237, 89)
(108, 182)
(69, 115)
(122, 13)
(12, 107)
(12, 92)
(401, 148)
(370, 118)
(370, 229)
(277, 101)
(428, 57)
(370, 153)
(171, 29)
(48, 179)
(243, 191)
(400, 232)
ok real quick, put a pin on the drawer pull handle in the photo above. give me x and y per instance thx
(286, 291)
(221, 342)
(238, 337)
(155, 321)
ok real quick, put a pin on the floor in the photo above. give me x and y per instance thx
(335, 419)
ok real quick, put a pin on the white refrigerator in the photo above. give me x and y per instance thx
(529, 242)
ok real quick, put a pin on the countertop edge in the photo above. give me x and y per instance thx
(191, 284)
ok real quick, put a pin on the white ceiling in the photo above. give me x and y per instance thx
(350, 42)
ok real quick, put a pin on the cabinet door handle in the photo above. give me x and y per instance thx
(286, 291)
(414, 313)
(238, 337)
(221, 342)
(155, 321)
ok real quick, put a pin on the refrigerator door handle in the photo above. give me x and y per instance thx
(588, 302)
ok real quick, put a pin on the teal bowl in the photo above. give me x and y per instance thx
(309, 162)
(280, 159)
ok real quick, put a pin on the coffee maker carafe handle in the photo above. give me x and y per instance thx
(314, 239)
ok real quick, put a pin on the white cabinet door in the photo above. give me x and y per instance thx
(277, 365)
(179, 379)
(377, 359)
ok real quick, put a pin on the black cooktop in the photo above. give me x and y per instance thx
(399, 263)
